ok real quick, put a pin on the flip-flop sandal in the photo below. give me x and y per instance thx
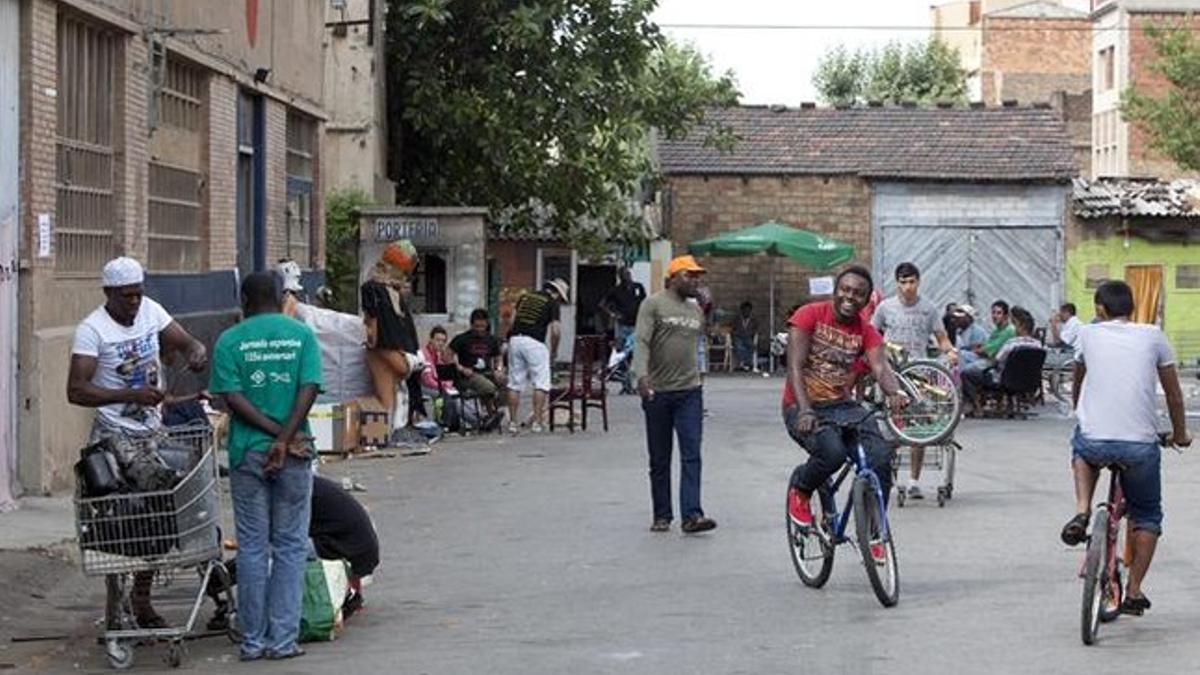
(290, 654)
(1075, 531)
(1135, 606)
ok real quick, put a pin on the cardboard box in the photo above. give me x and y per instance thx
(375, 426)
(335, 426)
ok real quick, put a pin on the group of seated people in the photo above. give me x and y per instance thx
(470, 365)
(983, 355)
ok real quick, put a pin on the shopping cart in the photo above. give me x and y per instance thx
(941, 457)
(161, 532)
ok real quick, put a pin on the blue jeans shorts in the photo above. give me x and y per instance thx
(1141, 477)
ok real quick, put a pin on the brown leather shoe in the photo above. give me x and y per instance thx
(697, 524)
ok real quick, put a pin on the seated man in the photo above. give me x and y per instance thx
(1117, 369)
(824, 340)
(975, 379)
(480, 365)
(744, 334)
(969, 335)
(1062, 338)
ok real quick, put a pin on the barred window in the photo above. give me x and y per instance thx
(174, 219)
(301, 151)
(1187, 277)
(1095, 275)
(88, 57)
(180, 99)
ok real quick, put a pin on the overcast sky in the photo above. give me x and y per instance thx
(776, 66)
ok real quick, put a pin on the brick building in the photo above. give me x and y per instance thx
(185, 134)
(1122, 55)
(975, 196)
(1024, 50)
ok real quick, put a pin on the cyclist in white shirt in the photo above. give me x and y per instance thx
(1118, 366)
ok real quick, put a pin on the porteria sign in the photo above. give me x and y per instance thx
(414, 229)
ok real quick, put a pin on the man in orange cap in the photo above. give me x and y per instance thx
(668, 380)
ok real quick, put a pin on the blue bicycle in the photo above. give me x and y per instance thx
(812, 547)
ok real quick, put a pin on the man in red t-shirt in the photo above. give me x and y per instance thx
(824, 340)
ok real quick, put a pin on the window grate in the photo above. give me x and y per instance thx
(174, 232)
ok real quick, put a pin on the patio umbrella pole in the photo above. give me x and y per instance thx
(771, 320)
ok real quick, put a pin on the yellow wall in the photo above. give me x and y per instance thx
(1181, 307)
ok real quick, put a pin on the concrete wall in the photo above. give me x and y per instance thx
(1102, 243)
(836, 206)
(460, 237)
(356, 138)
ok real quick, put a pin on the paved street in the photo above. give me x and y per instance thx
(532, 555)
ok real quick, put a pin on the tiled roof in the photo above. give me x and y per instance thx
(1130, 198)
(942, 143)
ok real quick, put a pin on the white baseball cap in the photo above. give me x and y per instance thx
(122, 271)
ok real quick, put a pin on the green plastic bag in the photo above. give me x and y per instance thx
(318, 615)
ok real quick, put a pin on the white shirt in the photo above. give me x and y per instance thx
(126, 357)
(1119, 399)
(1068, 332)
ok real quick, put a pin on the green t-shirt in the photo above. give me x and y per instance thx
(997, 339)
(266, 358)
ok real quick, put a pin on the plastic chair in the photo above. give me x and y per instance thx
(1020, 382)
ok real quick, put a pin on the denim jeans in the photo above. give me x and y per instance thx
(271, 514)
(975, 377)
(682, 412)
(1141, 476)
(743, 348)
(828, 449)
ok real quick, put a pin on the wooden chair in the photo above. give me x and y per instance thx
(586, 383)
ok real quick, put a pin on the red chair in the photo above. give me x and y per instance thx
(589, 372)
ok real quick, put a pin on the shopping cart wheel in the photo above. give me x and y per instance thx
(175, 654)
(119, 653)
(901, 496)
(942, 496)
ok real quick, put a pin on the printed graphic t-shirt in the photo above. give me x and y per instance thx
(126, 358)
(828, 370)
(266, 358)
(909, 326)
(476, 351)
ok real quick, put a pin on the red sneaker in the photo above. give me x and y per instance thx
(798, 508)
(879, 553)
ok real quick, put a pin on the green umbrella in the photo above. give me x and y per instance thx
(777, 239)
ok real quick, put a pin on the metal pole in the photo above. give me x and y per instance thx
(771, 320)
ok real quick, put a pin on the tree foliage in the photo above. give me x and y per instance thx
(1172, 120)
(920, 72)
(341, 246)
(540, 109)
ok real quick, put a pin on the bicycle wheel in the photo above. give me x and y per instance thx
(1093, 578)
(882, 572)
(934, 407)
(812, 554)
(1114, 585)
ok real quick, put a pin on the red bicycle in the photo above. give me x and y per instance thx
(1103, 561)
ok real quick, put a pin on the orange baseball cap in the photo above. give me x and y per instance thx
(683, 263)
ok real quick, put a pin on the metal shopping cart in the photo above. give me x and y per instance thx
(161, 532)
(941, 457)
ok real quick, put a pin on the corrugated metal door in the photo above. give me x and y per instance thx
(978, 265)
(9, 189)
(1017, 265)
(942, 254)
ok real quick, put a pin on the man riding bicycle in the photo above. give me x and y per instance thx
(824, 340)
(1117, 365)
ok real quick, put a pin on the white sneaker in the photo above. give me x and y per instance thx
(513, 428)
(536, 428)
